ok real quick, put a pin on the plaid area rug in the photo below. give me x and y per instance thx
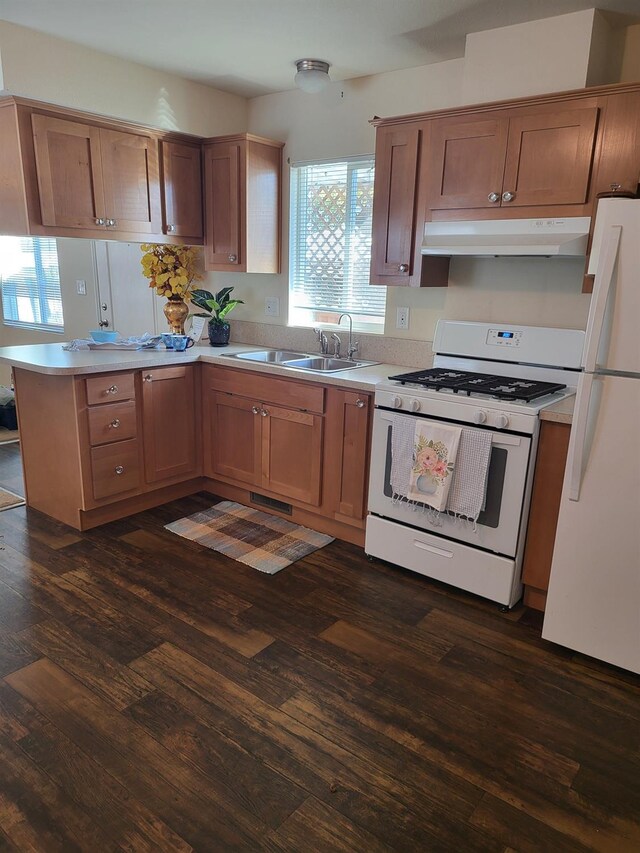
(264, 542)
(9, 500)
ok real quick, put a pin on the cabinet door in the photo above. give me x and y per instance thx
(347, 471)
(394, 202)
(131, 182)
(234, 446)
(68, 166)
(292, 453)
(182, 190)
(467, 163)
(549, 158)
(223, 178)
(169, 423)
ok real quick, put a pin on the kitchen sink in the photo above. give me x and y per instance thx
(269, 356)
(300, 360)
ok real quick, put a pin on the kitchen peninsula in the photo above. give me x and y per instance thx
(108, 434)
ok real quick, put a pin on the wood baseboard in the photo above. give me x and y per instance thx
(534, 598)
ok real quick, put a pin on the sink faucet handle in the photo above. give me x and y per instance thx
(338, 344)
(353, 348)
(322, 340)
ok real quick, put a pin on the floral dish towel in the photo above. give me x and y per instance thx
(434, 458)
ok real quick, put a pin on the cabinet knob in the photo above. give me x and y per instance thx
(494, 197)
(103, 323)
(360, 404)
(264, 413)
(111, 223)
(113, 389)
(403, 268)
(233, 259)
(119, 469)
(115, 423)
(99, 221)
(170, 228)
(148, 378)
(508, 196)
(255, 410)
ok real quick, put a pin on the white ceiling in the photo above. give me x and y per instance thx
(249, 46)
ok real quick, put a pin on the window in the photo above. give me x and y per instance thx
(30, 282)
(331, 206)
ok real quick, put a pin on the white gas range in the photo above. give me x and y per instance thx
(488, 377)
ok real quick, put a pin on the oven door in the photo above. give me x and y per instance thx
(498, 525)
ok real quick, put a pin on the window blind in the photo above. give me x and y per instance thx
(30, 283)
(330, 244)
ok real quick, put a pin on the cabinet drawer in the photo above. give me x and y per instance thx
(113, 422)
(115, 468)
(109, 387)
(267, 389)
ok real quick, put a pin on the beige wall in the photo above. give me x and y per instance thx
(39, 66)
(630, 72)
(75, 258)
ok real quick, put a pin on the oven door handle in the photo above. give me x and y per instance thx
(498, 439)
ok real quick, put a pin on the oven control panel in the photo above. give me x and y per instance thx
(504, 337)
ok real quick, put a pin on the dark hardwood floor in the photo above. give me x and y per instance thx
(157, 696)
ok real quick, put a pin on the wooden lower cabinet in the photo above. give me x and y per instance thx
(543, 517)
(347, 462)
(169, 418)
(292, 453)
(232, 438)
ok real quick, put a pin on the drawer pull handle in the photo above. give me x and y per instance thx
(115, 423)
(439, 552)
(119, 469)
(360, 404)
(112, 390)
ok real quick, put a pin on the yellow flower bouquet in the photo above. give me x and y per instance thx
(171, 270)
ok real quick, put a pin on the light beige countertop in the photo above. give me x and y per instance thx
(561, 412)
(52, 359)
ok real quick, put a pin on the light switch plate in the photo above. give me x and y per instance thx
(272, 306)
(81, 287)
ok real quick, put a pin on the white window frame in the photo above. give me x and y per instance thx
(298, 316)
(39, 289)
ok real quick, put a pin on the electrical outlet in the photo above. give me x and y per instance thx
(272, 306)
(402, 318)
(81, 287)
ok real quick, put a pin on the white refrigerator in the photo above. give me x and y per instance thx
(593, 603)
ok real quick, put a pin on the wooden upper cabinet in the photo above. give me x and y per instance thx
(224, 204)
(527, 157)
(182, 191)
(394, 199)
(69, 171)
(549, 157)
(242, 187)
(169, 418)
(131, 182)
(466, 164)
(90, 178)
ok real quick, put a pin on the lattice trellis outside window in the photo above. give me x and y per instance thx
(331, 207)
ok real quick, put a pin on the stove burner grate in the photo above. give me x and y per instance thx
(467, 382)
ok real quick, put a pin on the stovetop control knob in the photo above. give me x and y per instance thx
(415, 405)
(397, 402)
(479, 417)
(502, 421)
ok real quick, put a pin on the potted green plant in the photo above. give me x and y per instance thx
(216, 307)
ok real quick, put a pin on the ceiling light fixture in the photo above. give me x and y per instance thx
(312, 76)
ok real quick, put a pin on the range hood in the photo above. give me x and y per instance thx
(551, 238)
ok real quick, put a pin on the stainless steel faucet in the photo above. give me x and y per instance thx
(322, 340)
(337, 343)
(352, 349)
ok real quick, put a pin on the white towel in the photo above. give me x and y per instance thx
(469, 486)
(402, 434)
(435, 447)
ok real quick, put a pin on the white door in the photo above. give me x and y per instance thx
(132, 307)
(593, 604)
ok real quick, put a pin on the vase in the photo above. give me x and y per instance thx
(427, 484)
(176, 312)
(219, 332)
